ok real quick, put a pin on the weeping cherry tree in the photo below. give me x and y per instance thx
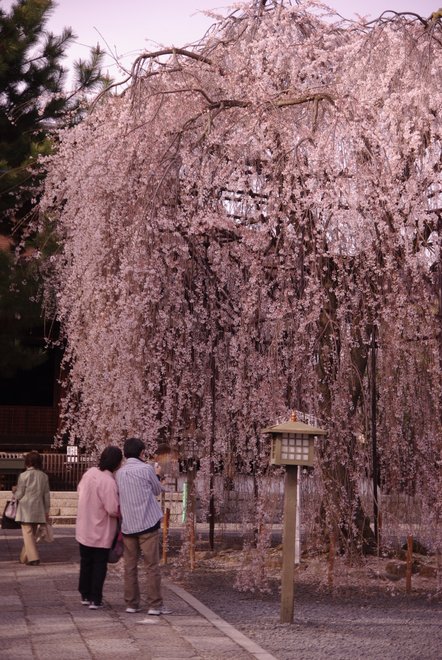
(242, 230)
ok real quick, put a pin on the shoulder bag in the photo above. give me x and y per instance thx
(9, 513)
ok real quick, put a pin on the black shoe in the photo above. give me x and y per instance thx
(34, 563)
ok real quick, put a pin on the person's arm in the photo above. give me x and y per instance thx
(21, 487)
(159, 472)
(109, 496)
(47, 497)
(154, 481)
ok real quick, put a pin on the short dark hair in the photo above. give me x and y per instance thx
(133, 447)
(33, 459)
(110, 458)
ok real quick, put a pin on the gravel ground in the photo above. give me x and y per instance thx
(368, 616)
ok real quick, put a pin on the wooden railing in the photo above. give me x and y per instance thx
(64, 471)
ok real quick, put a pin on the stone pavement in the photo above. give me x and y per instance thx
(41, 615)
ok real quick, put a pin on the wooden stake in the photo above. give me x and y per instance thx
(331, 560)
(191, 517)
(409, 564)
(379, 540)
(192, 541)
(166, 521)
(439, 568)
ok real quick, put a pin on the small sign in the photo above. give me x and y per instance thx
(185, 500)
(72, 454)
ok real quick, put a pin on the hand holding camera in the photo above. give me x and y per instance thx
(158, 471)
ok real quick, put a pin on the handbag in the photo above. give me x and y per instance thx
(9, 513)
(117, 547)
(45, 532)
(11, 509)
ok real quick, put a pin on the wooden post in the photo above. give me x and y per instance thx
(192, 541)
(191, 516)
(331, 560)
(166, 521)
(409, 564)
(439, 567)
(288, 544)
(211, 515)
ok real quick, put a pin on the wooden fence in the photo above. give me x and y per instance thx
(64, 471)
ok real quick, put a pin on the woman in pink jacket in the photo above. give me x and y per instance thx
(97, 516)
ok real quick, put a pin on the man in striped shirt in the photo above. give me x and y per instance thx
(138, 486)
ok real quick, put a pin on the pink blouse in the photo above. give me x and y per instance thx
(97, 509)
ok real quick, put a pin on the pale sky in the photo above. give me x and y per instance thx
(127, 27)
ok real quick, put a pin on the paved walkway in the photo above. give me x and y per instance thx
(41, 615)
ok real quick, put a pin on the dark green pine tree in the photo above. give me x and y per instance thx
(33, 101)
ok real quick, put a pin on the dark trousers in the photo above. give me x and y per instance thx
(93, 569)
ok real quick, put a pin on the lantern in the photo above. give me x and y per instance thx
(293, 443)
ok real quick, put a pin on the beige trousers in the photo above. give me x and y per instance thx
(29, 551)
(148, 545)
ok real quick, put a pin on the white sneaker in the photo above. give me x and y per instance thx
(156, 611)
(85, 601)
(95, 606)
(133, 610)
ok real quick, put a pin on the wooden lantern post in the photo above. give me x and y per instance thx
(288, 544)
(292, 445)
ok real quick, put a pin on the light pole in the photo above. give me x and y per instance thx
(292, 445)
(374, 448)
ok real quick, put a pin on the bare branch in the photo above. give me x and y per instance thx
(170, 51)
(304, 99)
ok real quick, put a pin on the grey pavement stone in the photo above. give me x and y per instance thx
(118, 646)
(10, 602)
(112, 655)
(103, 625)
(176, 657)
(184, 621)
(174, 651)
(12, 624)
(195, 631)
(216, 643)
(68, 651)
(16, 653)
(51, 624)
(10, 637)
(8, 640)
